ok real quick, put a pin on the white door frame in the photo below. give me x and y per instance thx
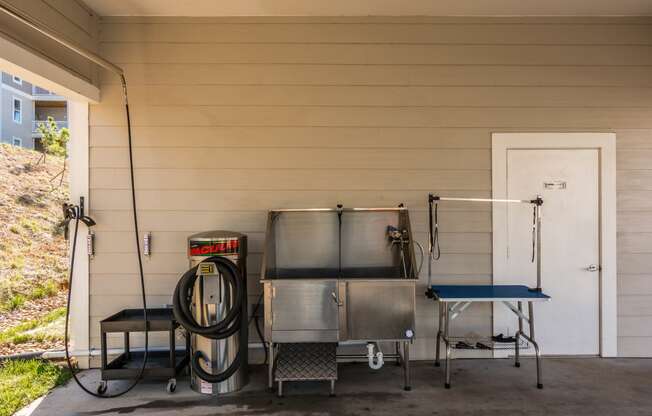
(605, 143)
(78, 152)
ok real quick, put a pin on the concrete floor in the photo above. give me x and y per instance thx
(573, 386)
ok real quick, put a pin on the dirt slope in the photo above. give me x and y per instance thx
(33, 252)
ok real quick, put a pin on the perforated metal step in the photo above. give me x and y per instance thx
(306, 361)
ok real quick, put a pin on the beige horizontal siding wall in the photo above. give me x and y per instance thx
(236, 116)
(71, 19)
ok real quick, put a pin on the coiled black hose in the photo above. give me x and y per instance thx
(230, 325)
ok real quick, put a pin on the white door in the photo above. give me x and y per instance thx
(568, 182)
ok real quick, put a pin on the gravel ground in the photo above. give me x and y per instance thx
(31, 310)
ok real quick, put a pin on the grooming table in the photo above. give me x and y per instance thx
(454, 299)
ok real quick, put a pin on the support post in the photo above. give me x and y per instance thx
(173, 349)
(104, 351)
(270, 367)
(538, 215)
(438, 340)
(406, 365)
(127, 348)
(399, 359)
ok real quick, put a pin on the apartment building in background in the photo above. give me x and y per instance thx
(23, 106)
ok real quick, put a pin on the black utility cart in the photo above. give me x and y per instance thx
(161, 364)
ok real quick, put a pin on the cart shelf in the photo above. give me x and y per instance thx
(164, 364)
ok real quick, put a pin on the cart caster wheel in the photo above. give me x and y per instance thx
(517, 365)
(172, 386)
(407, 388)
(437, 364)
(102, 387)
(447, 385)
(539, 386)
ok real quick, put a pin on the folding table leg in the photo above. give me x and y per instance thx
(517, 361)
(448, 346)
(438, 340)
(536, 346)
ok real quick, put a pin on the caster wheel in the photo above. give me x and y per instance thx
(539, 386)
(102, 387)
(517, 365)
(407, 388)
(172, 386)
(437, 364)
(447, 385)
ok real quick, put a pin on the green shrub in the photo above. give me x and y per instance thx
(49, 288)
(16, 302)
(31, 225)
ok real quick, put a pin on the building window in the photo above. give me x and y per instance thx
(17, 141)
(18, 80)
(18, 110)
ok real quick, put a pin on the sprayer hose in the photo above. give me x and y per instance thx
(141, 274)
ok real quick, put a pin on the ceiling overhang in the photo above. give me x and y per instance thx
(371, 7)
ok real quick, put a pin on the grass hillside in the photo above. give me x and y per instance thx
(33, 252)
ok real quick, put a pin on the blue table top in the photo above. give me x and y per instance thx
(486, 293)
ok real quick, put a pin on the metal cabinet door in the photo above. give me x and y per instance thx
(378, 310)
(305, 311)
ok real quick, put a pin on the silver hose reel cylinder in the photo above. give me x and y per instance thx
(211, 300)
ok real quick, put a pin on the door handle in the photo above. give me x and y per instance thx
(593, 268)
(337, 301)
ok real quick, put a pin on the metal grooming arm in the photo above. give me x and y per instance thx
(536, 203)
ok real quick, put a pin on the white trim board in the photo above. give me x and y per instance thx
(78, 165)
(605, 143)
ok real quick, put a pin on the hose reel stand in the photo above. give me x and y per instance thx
(210, 302)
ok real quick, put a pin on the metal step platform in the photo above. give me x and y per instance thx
(306, 362)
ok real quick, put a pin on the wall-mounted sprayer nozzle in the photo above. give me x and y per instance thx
(75, 212)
